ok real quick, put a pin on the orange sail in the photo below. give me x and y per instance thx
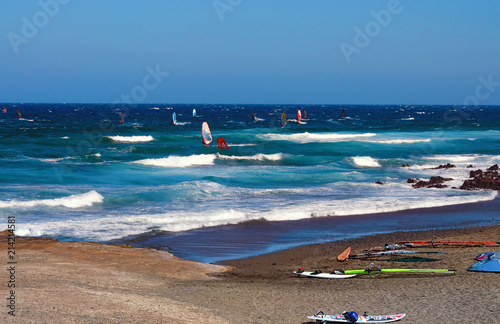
(344, 255)
(222, 144)
(19, 113)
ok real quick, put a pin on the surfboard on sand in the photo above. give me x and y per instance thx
(344, 255)
(324, 275)
(320, 317)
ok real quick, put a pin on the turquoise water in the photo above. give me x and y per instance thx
(73, 172)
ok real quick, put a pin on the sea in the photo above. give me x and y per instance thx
(75, 172)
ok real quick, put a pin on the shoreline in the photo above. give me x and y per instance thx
(239, 241)
(83, 282)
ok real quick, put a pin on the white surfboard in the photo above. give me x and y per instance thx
(324, 275)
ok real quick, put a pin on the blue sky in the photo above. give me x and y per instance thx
(251, 51)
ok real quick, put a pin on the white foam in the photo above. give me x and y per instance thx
(314, 137)
(258, 157)
(409, 118)
(175, 161)
(400, 141)
(365, 161)
(73, 201)
(131, 139)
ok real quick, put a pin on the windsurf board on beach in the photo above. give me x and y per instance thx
(343, 318)
(324, 275)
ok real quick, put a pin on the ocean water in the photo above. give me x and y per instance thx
(73, 172)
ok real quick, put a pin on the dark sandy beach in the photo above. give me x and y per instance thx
(63, 282)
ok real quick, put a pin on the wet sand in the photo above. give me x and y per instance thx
(76, 282)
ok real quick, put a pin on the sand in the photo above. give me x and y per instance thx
(77, 282)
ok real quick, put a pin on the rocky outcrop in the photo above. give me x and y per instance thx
(445, 166)
(434, 182)
(488, 179)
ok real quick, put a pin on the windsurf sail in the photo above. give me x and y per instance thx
(206, 134)
(304, 115)
(194, 112)
(373, 269)
(19, 113)
(222, 144)
(121, 118)
(174, 118)
(344, 255)
(391, 252)
(467, 243)
(343, 113)
(4, 109)
(490, 262)
(254, 116)
(283, 120)
(299, 116)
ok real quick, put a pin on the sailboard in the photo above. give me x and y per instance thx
(222, 144)
(121, 118)
(206, 134)
(490, 262)
(343, 113)
(283, 120)
(19, 113)
(349, 317)
(299, 116)
(174, 118)
(466, 243)
(194, 112)
(4, 109)
(323, 275)
(304, 114)
(373, 269)
(254, 116)
(344, 255)
(391, 252)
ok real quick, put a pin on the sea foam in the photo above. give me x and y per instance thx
(175, 161)
(131, 139)
(73, 201)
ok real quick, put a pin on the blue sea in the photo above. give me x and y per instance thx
(74, 172)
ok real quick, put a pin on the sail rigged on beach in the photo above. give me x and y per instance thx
(206, 134)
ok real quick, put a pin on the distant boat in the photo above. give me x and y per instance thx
(299, 117)
(19, 113)
(283, 120)
(121, 118)
(206, 134)
(174, 118)
(194, 112)
(222, 144)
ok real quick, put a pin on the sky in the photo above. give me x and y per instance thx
(251, 51)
